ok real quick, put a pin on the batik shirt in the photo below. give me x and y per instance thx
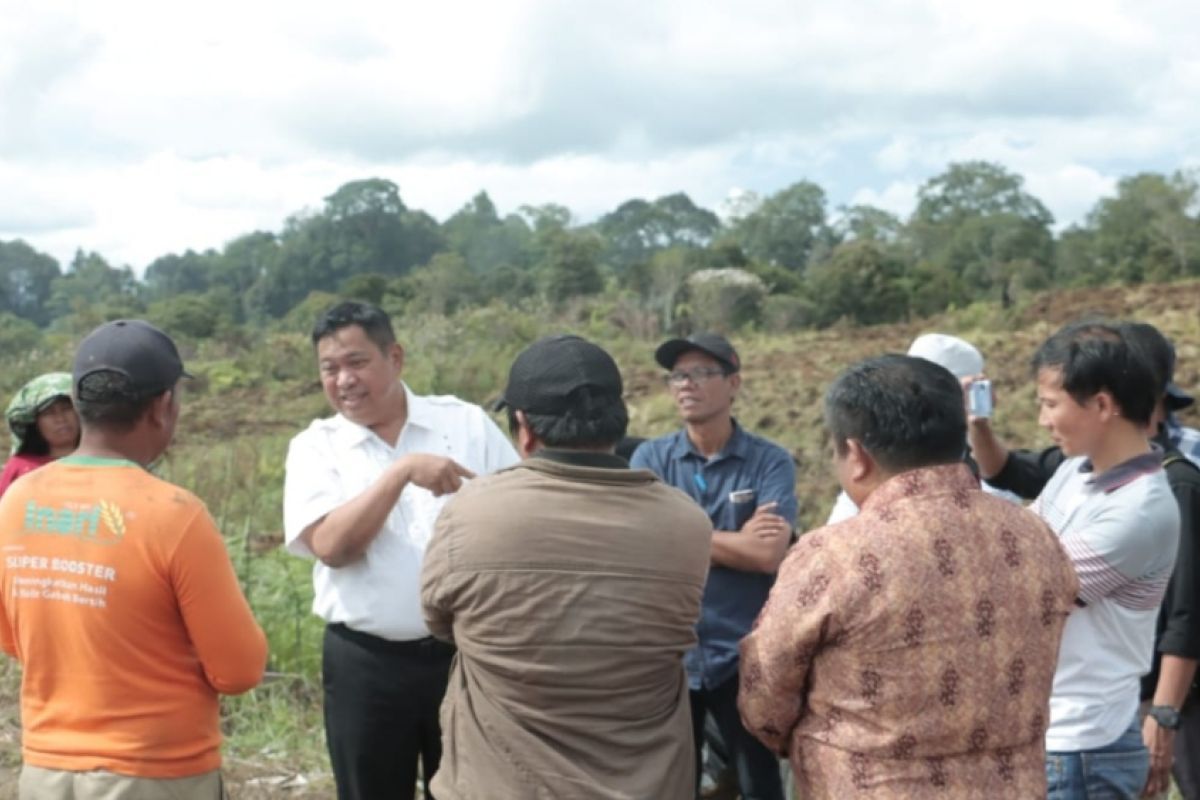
(909, 651)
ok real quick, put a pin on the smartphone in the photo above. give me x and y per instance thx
(979, 399)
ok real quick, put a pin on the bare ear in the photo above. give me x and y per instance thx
(396, 356)
(1106, 405)
(859, 460)
(159, 410)
(527, 441)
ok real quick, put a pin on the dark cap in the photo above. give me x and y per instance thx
(560, 374)
(1176, 398)
(711, 344)
(133, 348)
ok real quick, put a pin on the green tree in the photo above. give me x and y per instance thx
(177, 274)
(442, 286)
(862, 281)
(569, 264)
(1148, 231)
(25, 280)
(485, 241)
(94, 289)
(787, 228)
(363, 228)
(976, 222)
(638, 229)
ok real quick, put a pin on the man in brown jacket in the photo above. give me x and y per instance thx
(571, 586)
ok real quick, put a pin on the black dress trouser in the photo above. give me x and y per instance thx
(381, 712)
(757, 767)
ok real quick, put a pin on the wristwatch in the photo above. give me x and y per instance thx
(1165, 716)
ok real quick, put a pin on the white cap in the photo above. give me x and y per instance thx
(956, 355)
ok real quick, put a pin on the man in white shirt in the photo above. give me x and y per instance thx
(1114, 513)
(361, 494)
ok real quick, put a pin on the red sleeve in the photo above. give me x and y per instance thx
(228, 640)
(17, 466)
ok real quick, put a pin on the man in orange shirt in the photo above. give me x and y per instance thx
(118, 597)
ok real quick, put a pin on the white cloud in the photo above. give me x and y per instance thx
(139, 128)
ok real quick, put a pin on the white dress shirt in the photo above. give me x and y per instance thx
(334, 460)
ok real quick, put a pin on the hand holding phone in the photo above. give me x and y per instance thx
(979, 398)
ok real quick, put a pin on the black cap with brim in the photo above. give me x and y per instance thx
(559, 375)
(134, 348)
(1177, 399)
(710, 344)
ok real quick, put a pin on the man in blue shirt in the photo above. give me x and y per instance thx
(747, 485)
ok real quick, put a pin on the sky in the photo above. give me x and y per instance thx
(137, 129)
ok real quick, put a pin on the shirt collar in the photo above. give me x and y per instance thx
(582, 458)
(956, 477)
(420, 413)
(738, 445)
(1126, 472)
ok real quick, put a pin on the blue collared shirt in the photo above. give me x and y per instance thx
(747, 473)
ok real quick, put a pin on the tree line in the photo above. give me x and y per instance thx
(783, 261)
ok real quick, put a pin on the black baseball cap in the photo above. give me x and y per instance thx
(1176, 398)
(133, 348)
(711, 344)
(559, 374)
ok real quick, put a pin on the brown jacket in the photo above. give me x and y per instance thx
(571, 586)
(908, 652)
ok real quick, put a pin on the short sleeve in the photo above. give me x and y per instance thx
(311, 488)
(777, 483)
(1126, 553)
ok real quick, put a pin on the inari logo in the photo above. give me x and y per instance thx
(103, 523)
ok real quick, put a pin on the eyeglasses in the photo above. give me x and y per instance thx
(698, 375)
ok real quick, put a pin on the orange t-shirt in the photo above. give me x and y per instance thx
(119, 600)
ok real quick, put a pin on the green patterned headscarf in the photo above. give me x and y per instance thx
(32, 399)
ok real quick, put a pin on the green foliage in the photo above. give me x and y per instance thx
(862, 281)
(17, 335)
(569, 264)
(195, 315)
(25, 280)
(725, 300)
(638, 229)
(1148, 231)
(976, 233)
(787, 228)
(976, 222)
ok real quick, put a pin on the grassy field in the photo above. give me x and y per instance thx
(251, 396)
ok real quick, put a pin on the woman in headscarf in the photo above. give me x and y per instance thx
(43, 423)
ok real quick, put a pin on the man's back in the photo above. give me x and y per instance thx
(127, 618)
(571, 592)
(934, 616)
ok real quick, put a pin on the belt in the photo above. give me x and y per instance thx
(426, 646)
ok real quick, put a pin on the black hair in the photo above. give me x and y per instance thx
(603, 427)
(1096, 357)
(1155, 348)
(906, 412)
(32, 441)
(107, 399)
(373, 320)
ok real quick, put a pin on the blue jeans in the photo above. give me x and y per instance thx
(1114, 772)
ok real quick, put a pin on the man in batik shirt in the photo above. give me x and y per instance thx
(908, 652)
